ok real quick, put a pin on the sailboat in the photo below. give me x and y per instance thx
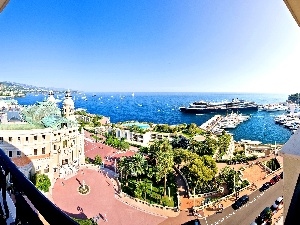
(132, 94)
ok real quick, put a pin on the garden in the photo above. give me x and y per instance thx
(150, 191)
(150, 177)
(273, 164)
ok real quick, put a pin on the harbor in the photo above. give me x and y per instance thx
(219, 123)
(160, 108)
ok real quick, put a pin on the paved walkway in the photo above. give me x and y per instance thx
(101, 200)
(104, 199)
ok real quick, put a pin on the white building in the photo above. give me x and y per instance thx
(38, 139)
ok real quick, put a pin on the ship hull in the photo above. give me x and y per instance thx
(218, 110)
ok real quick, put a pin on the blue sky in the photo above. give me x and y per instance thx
(151, 45)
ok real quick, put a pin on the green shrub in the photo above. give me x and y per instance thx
(85, 221)
(273, 164)
(98, 160)
(165, 201)
(41, 181)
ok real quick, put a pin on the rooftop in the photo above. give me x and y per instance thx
(3, 3)
(291, 147)
(294, 7)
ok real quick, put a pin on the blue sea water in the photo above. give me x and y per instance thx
(164, 108)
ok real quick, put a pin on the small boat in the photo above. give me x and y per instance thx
(132, 94)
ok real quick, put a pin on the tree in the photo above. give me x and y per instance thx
(230, 177)
(224, 142)
(206, 147)
(180, 142)
(140, 164)
(98, 160)
(141, 187)
(182, 156)
(121, 165)
(192, 128)
(126, 167)
(162, 159)
(41, 181)
(200, 171)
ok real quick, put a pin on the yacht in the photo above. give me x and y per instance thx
(209, 107)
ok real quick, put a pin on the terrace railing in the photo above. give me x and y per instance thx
(14, 184)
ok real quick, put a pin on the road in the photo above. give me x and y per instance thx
(246, 214)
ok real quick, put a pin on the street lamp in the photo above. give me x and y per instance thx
(96, 132)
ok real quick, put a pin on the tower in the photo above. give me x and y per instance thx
(68, 106)
(51, 97)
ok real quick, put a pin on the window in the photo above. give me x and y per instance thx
(35, 151)
(35, 138)
(44, 136)
(54, 147)
(10, 139)
(18, 153)
(19, 138)
(27, 138)
(43, 150)
(65, 143)
(1, 140)
(9, 153)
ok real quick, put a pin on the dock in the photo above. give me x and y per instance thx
(218, 123)
(211, 123)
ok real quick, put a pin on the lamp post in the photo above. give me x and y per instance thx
(194, 197)
(234, 191)
(96, 132)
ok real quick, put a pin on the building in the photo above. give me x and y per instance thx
(294, 7)
(3, 3)
(291, 155)
(143, 139)
(42, 138)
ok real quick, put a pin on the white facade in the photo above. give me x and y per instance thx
(142, 139)
(56, 150)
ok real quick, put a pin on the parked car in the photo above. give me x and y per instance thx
(274, 180)
(279, 202)
(264, 187)
(260, 221)
(264, 215)
(281, 175)
(253, 223)
(274, 208)
(240, 202)
(197, 222)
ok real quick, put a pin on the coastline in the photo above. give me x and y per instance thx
(163, 108)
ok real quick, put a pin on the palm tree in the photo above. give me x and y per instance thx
(121, 165)
(126, 166)
(140, 164)
(164, 161)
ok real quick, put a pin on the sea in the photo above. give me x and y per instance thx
(163, 108)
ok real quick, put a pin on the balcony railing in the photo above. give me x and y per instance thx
(22, 189)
